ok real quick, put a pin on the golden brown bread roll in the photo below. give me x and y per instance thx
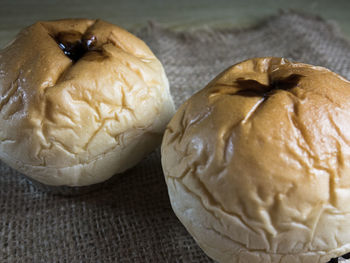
(258, 163)
(81, 100)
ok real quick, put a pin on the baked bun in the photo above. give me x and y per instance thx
(81, 100)
(258, 163)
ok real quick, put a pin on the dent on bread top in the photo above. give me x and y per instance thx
(57, 111)
(267, 144)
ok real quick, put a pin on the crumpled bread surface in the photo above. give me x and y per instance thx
(257, 163)
(65, 122)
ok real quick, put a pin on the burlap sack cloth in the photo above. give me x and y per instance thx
(131, 220)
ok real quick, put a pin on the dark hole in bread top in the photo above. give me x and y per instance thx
(253, 88)
(74, 44)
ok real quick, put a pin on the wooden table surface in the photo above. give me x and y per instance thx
(179, 14)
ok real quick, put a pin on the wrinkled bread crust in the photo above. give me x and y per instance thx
(66, 123)
(263, 178)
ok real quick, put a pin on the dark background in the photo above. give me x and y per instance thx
(179, 14)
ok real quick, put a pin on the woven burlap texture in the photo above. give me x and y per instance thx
(131, 220)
